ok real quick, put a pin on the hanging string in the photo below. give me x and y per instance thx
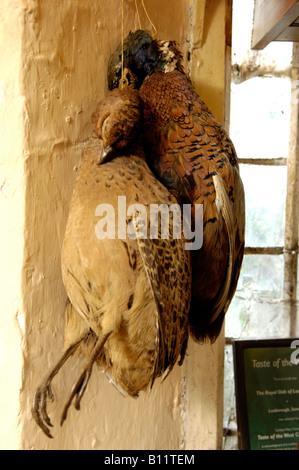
(122, 81)
(148, 17)
(122, 43)
(136, 7)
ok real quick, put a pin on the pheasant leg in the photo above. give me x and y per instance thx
(39, 404)
(81, 384)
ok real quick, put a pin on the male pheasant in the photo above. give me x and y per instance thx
(191, 153)
(128, 303)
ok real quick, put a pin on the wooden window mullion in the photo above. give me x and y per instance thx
(292, 199)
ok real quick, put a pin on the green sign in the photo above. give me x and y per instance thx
(268, 394)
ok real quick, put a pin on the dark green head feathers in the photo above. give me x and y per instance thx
(143, 56)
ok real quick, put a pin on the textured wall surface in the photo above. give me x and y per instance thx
(12, 188)
(57, 54)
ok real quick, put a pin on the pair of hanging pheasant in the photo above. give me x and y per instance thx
(134, 300)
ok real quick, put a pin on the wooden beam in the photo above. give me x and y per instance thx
(204, 364)
(292, 199)
(263, 161)
(227, 64)
(263, 250)
(198, 22)
(271, 19)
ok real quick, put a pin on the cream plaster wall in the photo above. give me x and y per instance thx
(12, 187)
(52, 74)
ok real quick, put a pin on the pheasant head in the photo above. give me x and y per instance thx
(142, 56)
(117, 120)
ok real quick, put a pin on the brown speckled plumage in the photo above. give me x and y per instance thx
(128, 299)
(188, 150)
(191, 153)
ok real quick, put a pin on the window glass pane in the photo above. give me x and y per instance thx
(260, 117)
(265, 193)
(257, 309)
(259, 128)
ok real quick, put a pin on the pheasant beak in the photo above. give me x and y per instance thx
(106, 148)
(104, 153)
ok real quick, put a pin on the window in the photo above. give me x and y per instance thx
(260, 129)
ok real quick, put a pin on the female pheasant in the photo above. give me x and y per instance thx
(190, 152)
(128, 304)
